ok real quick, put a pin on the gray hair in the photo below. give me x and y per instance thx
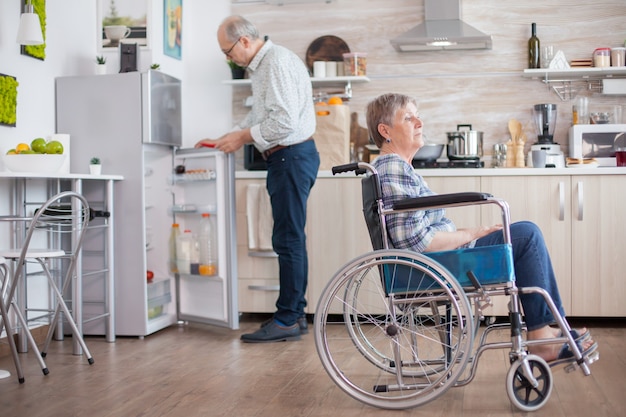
(383, 110)
(237, 26)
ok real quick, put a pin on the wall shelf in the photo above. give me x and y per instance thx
(566, 83)
(345, 81)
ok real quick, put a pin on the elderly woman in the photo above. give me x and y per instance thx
(395, 126)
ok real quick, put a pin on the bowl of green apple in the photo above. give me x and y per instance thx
(38, 157)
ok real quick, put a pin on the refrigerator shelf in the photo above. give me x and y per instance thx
(196, 175)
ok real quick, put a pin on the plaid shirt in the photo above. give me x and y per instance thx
(414, 229)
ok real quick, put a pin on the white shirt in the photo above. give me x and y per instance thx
(282, 110)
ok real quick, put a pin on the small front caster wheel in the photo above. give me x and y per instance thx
(529, 383)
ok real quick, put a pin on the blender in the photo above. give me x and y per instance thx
(545, 121)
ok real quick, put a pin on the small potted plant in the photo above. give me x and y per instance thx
(237, 72)
(101, 65)
(95, 167)
(155, 66)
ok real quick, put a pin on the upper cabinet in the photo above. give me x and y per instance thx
(566, 83)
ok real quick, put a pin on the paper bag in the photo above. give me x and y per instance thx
(332, 136)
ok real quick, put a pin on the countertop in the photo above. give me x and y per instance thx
(103, 177)
(472, 172)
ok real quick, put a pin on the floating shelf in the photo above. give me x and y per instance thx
(566, 83)
(346, 81)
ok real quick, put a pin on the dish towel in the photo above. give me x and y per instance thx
(259, 216)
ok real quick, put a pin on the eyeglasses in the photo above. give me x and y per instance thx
(229, 50)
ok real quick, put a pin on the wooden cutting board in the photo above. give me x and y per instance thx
(326, 48)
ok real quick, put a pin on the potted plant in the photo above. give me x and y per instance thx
(95, 167)
(237, 72)
(155, 66)
(101, 64)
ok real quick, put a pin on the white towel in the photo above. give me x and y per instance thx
(259, 216)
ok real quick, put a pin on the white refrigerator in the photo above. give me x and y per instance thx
(132, 122)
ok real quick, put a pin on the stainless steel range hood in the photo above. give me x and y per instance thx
(442, 29)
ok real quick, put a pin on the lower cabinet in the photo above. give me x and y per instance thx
(579, 216)
(584, 230)
(598, 242)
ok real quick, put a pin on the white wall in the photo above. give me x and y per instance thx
(71, 48)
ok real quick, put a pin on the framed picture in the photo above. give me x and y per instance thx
(36, 51)
(173, 28)
(123, 21)
(8, 100)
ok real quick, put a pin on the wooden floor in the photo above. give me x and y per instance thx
(198, 370)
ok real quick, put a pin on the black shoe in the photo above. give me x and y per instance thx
(304, 325)
(302, 322)
(273, 332)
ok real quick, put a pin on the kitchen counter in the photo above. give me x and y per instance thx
(60, 176)
(474, 172)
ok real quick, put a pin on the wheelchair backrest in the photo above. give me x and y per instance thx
(371, 194)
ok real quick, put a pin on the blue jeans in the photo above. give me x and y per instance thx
(533, 268)
(291, 173)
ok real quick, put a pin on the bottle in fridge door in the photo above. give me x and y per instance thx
(174, 235)
(207, 244)
(187, 253)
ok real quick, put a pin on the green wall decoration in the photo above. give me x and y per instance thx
(8, 100)
(36, 51)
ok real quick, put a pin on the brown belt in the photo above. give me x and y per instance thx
(266, 154)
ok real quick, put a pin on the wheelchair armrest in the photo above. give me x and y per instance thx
(441, 200)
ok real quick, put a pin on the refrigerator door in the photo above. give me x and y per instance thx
(208, 186)
(162, 113)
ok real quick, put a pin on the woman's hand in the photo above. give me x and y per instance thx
(478, 232)
(453, 240)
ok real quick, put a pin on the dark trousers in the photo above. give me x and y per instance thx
(291, 173)
(533, 268)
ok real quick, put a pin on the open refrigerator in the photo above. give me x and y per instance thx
(132, 122)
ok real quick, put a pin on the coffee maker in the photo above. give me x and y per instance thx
(545, 121)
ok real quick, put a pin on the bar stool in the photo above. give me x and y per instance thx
(54, 233)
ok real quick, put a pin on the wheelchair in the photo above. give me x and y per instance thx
(395, 329)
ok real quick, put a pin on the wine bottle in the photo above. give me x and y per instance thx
(534, 49)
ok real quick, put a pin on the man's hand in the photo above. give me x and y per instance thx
(230, 142)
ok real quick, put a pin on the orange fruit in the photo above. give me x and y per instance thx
(22, 147)
(321, 103)
(335, 100)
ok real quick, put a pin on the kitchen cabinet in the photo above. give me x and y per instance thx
(257, 270)
(598, 242)
(545, 201)
(336, 233)
(584, 231)
(586, 253)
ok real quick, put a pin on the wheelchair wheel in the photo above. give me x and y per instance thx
(519, 387)
(394, 351)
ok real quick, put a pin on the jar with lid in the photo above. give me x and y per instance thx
(602, 57)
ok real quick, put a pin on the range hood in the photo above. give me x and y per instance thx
(442, 29)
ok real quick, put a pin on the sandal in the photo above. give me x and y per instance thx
(577, 336)
(566, 355)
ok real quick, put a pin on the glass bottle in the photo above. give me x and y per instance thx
(174, 233)
(208, 246)
(534, 49)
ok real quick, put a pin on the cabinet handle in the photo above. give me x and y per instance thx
(264, 287)
(581, 201)
(263, 254)
(561, 201)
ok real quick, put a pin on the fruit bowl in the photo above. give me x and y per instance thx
(34, 163)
